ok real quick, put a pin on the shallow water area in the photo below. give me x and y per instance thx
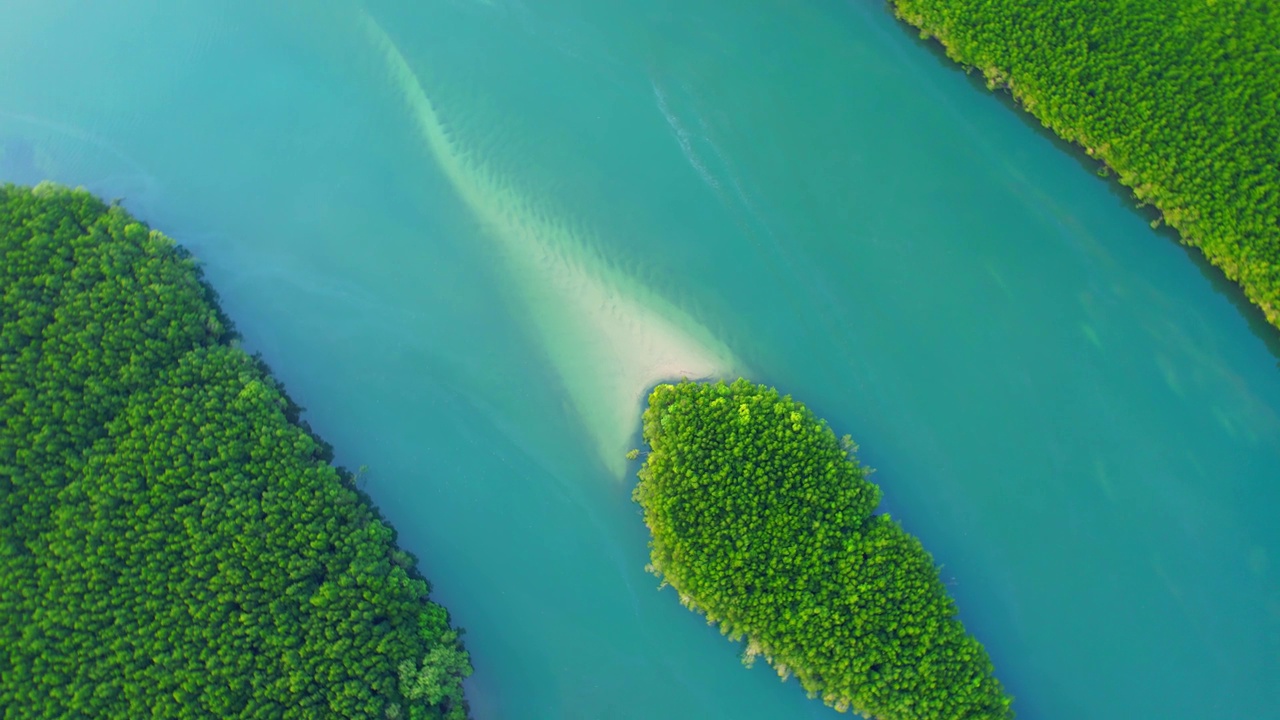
(468, 235)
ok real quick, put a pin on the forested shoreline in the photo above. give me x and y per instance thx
(1180, 99)
(762, 521)
(173, 543)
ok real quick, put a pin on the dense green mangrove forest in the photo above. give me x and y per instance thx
(1180, 98)
(762, 520)
(173, 543)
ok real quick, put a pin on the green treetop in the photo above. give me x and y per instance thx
(172, 543)
(762, 521)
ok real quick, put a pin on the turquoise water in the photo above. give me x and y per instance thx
(467, 235)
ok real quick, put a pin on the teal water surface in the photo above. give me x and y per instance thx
(469, 235)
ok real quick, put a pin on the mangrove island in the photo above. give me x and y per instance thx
(762, 521)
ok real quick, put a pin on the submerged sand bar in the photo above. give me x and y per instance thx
(608, 336)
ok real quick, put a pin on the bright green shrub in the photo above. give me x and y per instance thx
(762, 521)
(1181, 98)
(172, 544)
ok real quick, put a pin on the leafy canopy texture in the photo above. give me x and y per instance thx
(763, 522)
(172, 543)
(1181, 98)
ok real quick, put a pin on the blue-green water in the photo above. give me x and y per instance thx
(468, 234)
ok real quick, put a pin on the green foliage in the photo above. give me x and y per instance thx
(436, 679)
(171, 544)
(1178, 97)
(762, 521)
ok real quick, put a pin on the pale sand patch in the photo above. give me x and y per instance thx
(608, 337)
(609, 352)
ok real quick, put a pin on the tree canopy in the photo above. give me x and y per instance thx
(762, 521)
(173, 543)
(1181, 98)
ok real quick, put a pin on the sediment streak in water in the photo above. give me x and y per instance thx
(608, 336)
